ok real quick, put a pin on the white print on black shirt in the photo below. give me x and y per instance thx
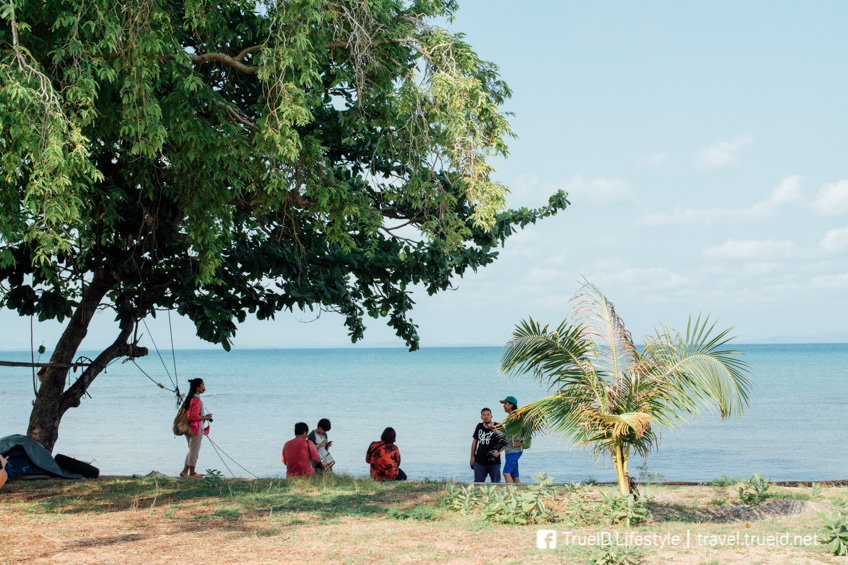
(484, 437)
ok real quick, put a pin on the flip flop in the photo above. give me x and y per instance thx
(183, 475)
(196, 476)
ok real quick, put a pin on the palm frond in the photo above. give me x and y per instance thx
(613, 349)
(556, 358)
(557, 413)
(696, 372)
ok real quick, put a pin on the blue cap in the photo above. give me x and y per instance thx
(511, 400)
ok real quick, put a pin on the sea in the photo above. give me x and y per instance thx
(795, 428)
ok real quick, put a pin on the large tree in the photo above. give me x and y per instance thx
(239, 157)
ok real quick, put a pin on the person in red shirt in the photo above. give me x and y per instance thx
(384, 457)
(197, 418)
(299, 453)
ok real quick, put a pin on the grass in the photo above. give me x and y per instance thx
(347, 520)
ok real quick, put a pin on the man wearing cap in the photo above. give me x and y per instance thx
(514, 445)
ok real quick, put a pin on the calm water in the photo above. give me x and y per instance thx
(795, 428)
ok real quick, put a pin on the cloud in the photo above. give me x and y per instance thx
(762, 268)
(786, 193)
(656, 159)
(601, 190)
(650, 277)
(831, 281)
(722, 153)
(529, 189)
(752, 249)
(832, 199)
(835, 241)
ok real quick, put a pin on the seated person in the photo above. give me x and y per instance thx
(3, 476)
(384, 457)
(299, 453)
(318, 436)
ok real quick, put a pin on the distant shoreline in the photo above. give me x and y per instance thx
(403, 348)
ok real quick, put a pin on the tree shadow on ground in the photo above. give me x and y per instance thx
(230, 499)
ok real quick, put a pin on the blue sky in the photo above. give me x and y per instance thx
(703, 146)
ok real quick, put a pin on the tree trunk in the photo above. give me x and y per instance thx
(52, 400)
(621, 468)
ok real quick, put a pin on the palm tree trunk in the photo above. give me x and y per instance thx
(620, 461)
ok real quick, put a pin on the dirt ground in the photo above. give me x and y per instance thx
(80, 525)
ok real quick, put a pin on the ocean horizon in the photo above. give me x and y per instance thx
(432, 397)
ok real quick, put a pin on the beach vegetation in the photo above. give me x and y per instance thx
(507, 505)
(236, 158)
(118, 519)
(614, 554)
(647, 476)
(835, 532)
(611, 396)
(754, 489)
(212, 478)
(724, 480)
(624, 509)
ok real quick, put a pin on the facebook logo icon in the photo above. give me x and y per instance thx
(546, 539)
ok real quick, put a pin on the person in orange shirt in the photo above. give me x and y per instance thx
(384, 457)
(3, 476)
(299, 453)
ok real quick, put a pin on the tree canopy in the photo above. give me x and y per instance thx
(240, 157)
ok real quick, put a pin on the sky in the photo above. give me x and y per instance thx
(703, 147)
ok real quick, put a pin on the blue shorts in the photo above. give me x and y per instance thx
(511, 466)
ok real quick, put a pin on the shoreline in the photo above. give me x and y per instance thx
(823, 483)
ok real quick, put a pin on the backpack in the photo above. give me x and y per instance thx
(180, 422)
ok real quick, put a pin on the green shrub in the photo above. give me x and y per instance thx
(613, 554)
(464, 498)
(617, 508)
(509, 505)
(753, 490)
(835, 534)
(521, 505)
(212, 478)
(580, 509)
(725, 481)
(647, 477)
(425, 512)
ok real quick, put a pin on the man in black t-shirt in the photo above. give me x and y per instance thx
(486, 449)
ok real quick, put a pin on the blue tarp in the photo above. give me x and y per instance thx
(38, 455)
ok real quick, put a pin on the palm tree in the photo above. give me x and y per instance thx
(611, 397)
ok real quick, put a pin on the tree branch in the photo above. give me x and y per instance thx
(239, 117)
(223, 58)
(236, 62)
(120, 348)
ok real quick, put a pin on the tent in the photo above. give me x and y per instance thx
(28, 459)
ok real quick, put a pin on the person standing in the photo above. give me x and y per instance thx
(299, 453)
(196, 418)
(318, 436)
(384, 457)
(514, 445)
(486, 447)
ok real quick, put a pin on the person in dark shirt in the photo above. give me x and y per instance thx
(486, 447)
